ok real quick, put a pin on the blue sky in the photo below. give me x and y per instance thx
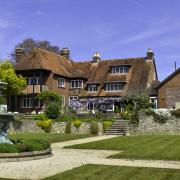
(116, 28)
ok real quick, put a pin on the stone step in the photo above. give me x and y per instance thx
(119, 127)
(115, 133)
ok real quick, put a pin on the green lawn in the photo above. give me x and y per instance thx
(165, 147)
(102, 172)
(50, 137)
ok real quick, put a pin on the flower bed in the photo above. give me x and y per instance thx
(24, 146)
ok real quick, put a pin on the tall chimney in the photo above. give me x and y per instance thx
(150, 54)
(96, 57)
(65, 52)
(19, 53)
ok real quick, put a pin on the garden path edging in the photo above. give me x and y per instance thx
(25, 156)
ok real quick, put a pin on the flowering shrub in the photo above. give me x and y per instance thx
(77, 123)
(161, 115)
(45, 125)
(40, 117)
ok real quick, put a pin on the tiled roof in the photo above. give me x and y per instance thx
(137, 78)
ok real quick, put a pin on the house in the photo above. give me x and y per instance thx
(169, 91)
(86, 85)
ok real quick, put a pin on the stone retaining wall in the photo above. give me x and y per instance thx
(29, 126)
(147, 125)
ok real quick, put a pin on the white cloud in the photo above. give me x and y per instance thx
(155, 29)
(39, 13)
(4, 24)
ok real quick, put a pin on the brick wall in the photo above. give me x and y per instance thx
(169, 93)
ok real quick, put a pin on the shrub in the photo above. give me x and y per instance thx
(48, 97)
(41, 117)
(125, 115)
(21, 145)
(77, 123)
(68, 127)
(176, 112)
(65, 118)
(161, 115)
(8, 148)
(117, 110)
(149, 112)
(45, 125)
(106, 124)
(53, 110)
(94, 128)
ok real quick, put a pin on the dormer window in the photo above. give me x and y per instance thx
(114, 86)
(92, 87)
(119, 69)
(76, 84)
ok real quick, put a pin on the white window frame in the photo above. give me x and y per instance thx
(119, 69)
(25, 104)
(112, 86)
(61, 82)
(91, 87)
(37, 80)
(73, 84)
(71, 98)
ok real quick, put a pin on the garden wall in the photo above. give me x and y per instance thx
(147, 125)
(29, 126)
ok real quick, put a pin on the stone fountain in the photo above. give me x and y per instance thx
(5, 120)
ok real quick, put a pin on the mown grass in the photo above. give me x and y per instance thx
(49, 137)
(104, 172)
(163, 147)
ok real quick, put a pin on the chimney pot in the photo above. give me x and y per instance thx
(96, 57)
(150, 54)
(65, 52)
(19, 53)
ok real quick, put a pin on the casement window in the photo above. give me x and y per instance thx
(72, 98)
(92, 87)
(114, 86)
(28, 101)
(33, 80)
(119, 69)
(76, 83)
(61, 82)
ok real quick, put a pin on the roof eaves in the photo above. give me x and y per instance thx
(169, 78)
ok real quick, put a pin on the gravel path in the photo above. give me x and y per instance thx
(65, 159)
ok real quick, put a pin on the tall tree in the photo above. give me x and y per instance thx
(28, 44)
(15, 83)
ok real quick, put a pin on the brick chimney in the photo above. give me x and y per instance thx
(65, 52)
(96, 57)
(150, 54)
(19, 53)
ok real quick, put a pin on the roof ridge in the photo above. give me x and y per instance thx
(104, 60)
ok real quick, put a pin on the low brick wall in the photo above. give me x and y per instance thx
(29, 126)
(147, 125)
